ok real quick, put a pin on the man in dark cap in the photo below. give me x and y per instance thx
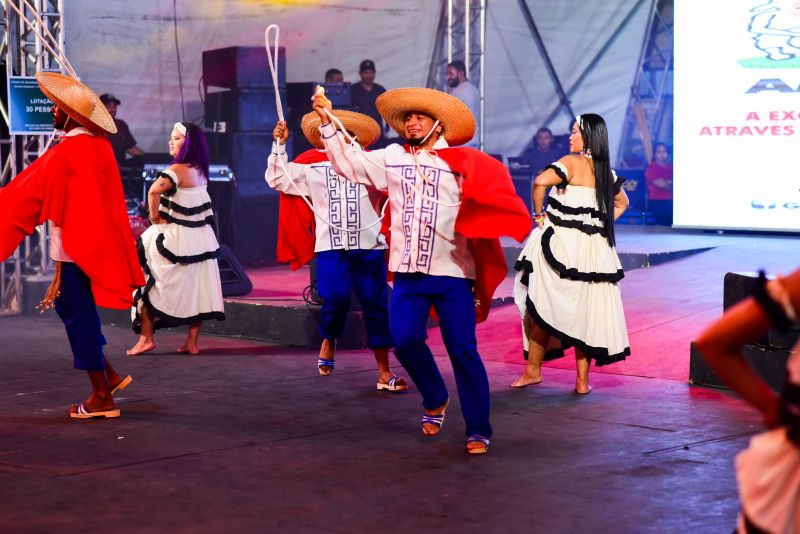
(123, 141)
(363, 95)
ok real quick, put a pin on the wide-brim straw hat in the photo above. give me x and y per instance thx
(77, 101)
(454, 115)
(364, 127)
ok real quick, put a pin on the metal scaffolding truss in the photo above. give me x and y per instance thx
(24, 55)
(649, 117)
(461, 35)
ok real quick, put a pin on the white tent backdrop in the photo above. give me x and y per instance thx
(128, 48)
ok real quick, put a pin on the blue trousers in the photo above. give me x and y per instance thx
(75, 306)
(341, 271)
(412, 298)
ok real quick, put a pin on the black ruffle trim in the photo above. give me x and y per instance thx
(570, 272)
(588, 229)
(183, 222)
(161, 319)
(571, 210)
(599, 354)
(183, 210)
(184, 260)
(618, 184)
(561, 174)
(171, 191)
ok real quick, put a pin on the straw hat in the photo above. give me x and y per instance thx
(362, 126)
(452, 113)
(76, 100)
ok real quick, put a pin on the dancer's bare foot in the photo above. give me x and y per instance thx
(527, 379)
(326, 352)
(583, 389)
(186, 348)
(142, 346)
(431, 429)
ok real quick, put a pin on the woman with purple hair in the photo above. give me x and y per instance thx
(178, 253)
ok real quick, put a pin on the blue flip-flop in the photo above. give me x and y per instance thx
(478, 439)
(322, 362)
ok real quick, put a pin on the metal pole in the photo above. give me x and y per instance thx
(467, 43)
(449, 31)
(537, 37)
(482, 81)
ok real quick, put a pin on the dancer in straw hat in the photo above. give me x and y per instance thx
(343, 233)
(76, 185)
(448, 207)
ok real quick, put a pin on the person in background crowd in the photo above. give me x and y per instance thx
(123, 143)
(363, 95)
(659, 185)
(768, 471)
(544, 151)
(334, 76)
(461, 88)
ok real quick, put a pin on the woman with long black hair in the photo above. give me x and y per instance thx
(567, 286)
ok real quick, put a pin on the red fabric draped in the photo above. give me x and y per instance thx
(76, 184)
(490, 208)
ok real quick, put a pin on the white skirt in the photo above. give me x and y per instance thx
(179, 260)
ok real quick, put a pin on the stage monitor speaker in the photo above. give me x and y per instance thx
(242, 109)
(739, 286)
(255, 229)
(768, 362)
(234, 279)
(241, 67)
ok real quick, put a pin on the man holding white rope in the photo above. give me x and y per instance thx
(344, 234)
(448, 208)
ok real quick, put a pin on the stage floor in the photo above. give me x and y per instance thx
(247, 436)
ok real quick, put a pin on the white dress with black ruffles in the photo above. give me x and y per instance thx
(568, 276)
(179, 260)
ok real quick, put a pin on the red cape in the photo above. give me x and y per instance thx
(296, 224)
(490, 208)
(76, 184)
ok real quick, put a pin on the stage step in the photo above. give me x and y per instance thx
(284, 323)
(629, 260)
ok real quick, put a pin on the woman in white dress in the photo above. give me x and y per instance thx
(567, 286)
(178, 253)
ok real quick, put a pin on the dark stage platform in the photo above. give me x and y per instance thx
(248, 437)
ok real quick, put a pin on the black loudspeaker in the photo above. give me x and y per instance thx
(242, 109)
(246, 153)
(241, 67)
(234, 280)
(739, 286)
(769, 363)
(255, 229)
(521, 171)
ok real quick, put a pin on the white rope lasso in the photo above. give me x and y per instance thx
(272, 59)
